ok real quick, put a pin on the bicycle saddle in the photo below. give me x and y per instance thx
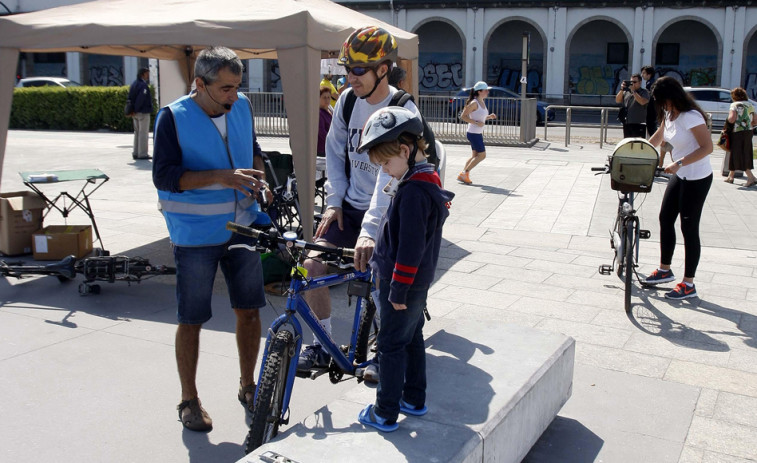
(65, 268)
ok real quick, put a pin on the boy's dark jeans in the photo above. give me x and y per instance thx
(402, 353)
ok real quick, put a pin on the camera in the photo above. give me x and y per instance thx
(626, 83)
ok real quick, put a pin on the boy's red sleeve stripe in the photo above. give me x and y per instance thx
(405, 268)
(402, 278)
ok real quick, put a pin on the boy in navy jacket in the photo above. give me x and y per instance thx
(403, 262)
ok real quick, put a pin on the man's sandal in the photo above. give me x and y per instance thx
(196, 419)
(242, 396)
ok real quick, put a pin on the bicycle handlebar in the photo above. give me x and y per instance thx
(270, 240)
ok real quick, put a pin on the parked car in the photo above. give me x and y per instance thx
(47, 82)
(716, 101)
(507, 110)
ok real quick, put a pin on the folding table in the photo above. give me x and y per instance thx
(89, 177)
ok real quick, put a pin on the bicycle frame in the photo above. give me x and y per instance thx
(296, 306)
(621, 227)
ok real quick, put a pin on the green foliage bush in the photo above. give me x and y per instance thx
(73, 108)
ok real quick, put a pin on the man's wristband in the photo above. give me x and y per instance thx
(680, 162)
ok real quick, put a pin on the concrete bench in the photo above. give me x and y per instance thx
(492, 390)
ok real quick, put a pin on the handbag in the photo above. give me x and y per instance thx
(724, 141)
(129, 108)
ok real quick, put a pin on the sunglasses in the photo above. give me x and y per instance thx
(357, 70)
(634, 81)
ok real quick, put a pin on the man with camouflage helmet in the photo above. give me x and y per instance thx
(355, 199)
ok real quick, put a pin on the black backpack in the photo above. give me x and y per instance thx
(398, 99)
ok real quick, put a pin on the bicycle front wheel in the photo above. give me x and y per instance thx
(266, 416)
(367, 330)
(628, 262)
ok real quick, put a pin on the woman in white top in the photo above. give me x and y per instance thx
(475, 114)
(682, 124)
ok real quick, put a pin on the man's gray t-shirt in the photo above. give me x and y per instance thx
(637, 114)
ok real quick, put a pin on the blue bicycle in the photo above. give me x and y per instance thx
(284, 341)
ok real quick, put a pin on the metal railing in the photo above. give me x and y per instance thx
(603, 125)
(441, 112)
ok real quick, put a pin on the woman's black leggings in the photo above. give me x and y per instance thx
(685, 198)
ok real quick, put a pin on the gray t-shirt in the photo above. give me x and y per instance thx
(637, 114)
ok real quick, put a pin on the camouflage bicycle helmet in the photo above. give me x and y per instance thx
(388, 124)
(368, 46)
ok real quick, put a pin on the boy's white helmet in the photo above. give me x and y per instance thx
(388, 124)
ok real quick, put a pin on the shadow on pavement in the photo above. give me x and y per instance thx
(565, 441)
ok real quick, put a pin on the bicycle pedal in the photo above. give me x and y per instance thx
(605, 269)
(645, 234)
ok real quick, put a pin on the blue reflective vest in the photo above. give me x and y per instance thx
(198, 217)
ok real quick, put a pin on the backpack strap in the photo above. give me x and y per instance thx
(349, 106)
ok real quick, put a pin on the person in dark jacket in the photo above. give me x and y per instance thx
(403, 262)
(141, 100)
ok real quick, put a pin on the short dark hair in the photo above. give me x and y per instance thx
(141, 72)
(396, 75)
(637, 75)
(648, 69)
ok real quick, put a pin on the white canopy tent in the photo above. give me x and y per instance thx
(297, 32)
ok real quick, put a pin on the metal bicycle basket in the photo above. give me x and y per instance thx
(632, 166)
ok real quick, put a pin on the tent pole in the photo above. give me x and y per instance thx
(8, 58)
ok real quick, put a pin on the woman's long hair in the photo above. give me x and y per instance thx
(473, 95)
(667, 89)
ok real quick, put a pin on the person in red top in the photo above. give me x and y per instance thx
(403, 262)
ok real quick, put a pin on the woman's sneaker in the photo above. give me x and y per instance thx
(464, 177)
(660, 276)
(682, 291)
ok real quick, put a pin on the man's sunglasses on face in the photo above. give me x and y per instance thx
(357, 70)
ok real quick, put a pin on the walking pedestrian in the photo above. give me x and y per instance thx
(741, 114)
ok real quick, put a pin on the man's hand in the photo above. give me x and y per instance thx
(245, 181)
(363, 252)
(399, 306)
(332, 214)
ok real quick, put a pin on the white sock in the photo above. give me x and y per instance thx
(688, 284)
(326, 324)
(663, 270)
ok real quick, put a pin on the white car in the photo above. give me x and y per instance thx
(716, 101)
(47, 82)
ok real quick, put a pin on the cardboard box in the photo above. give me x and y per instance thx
(55, 242)
(20, 216)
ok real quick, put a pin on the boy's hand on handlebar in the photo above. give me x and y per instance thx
(332, 214)
(363, 252)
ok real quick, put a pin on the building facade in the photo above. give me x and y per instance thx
(576, 48)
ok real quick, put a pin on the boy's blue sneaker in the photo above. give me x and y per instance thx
(660, 276)
(369, 418)
(410, 409)
(682, 291)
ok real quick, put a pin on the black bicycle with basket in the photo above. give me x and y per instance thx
(633, 167)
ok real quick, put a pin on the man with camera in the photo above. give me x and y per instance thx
(634, 99)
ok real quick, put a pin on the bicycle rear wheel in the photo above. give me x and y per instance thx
(266, 416)
(628, 262)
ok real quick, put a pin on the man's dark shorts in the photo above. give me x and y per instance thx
(352, 221)
(196, 270)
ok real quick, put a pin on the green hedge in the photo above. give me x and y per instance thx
(73, 108)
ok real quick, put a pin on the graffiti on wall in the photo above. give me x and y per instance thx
(510, 78)
(598, 80)
(106, 76)
(440, 72)
(705, 77)
(275, 76)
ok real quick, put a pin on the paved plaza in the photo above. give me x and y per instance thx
(89, 379)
